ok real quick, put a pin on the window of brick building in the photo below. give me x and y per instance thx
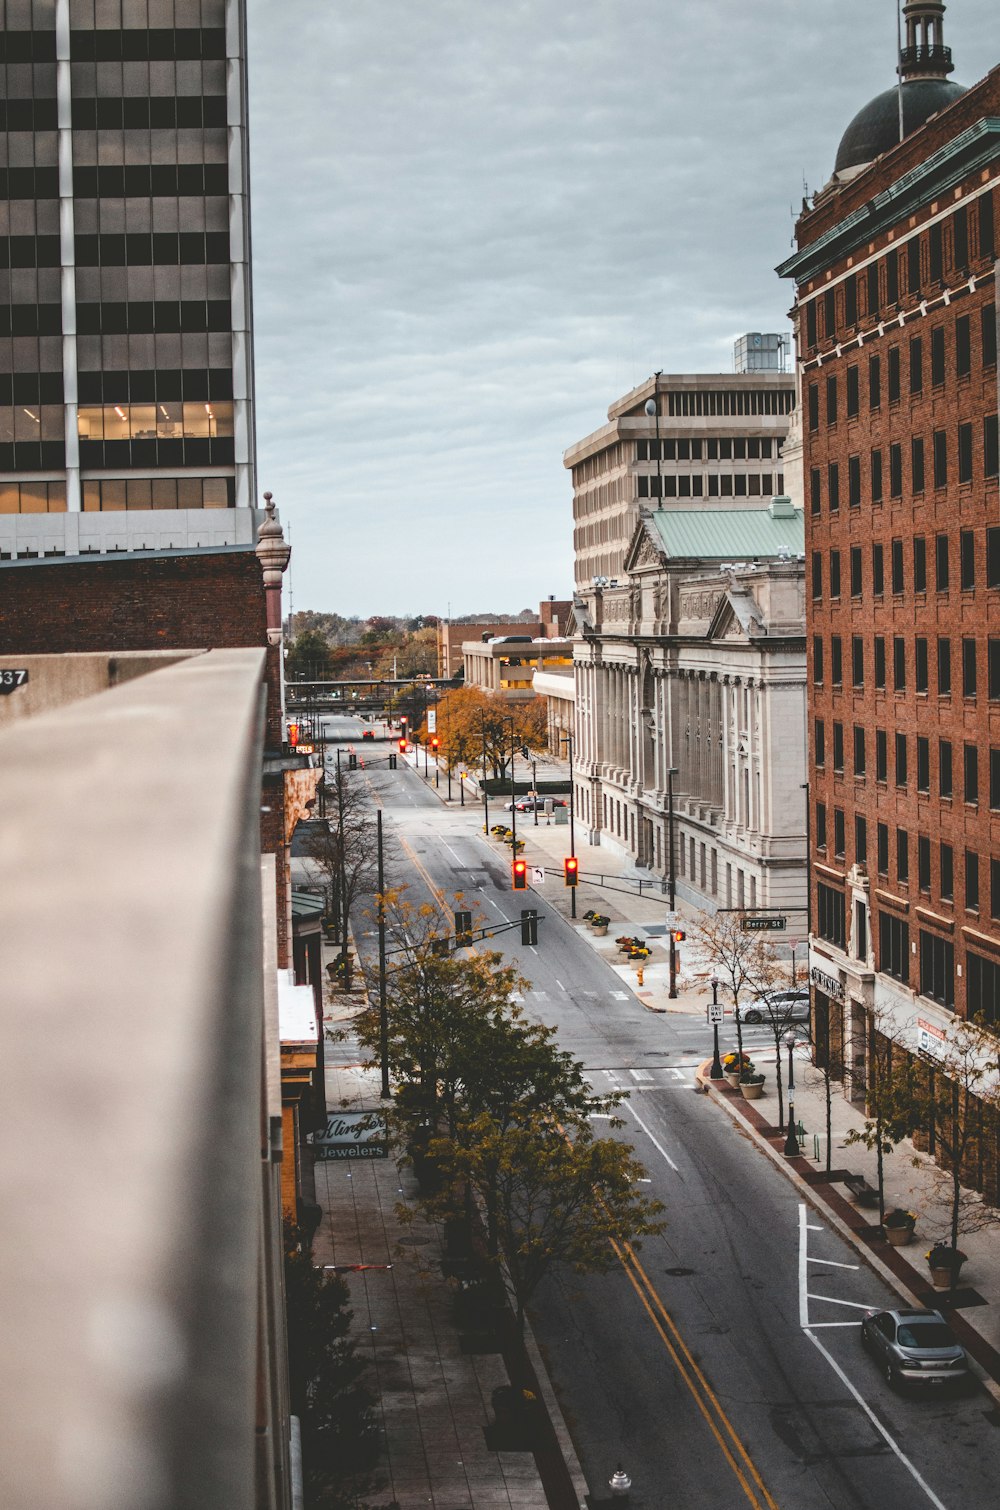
(818, 659)
(876, 476)
(880, 662)
(920, 673)
(894, 946)
(811, 323)
(916, 365)
(874, 382)
(968, 668)
(837, 660)
(902, 856)
(913, 278)
(857, 661)
(994, 888)
(971, 881)
(923, 862)
(854, 481)
(851, 299)
(917, 463)
(815, 496)
(831, 399)
(829, 313)
(988, 329)
(894, 375)
(896, 565)
(813, 403)
(937, 968)
(965, 453)
(935, 252)
(895, 470)
(839, 833)
(819, 741)
(937, 357)
(960, 239)
(987, 236)
(881, 756)
(860, 839)
(945, 785)
(882, 849)
(817, 575)
(834, 574)
(892, 278)
(833, 486)
(901, 765)
(923, 763)
(963, 346)
(941, 572)
(898, 663)
(878, 569)
(994, 780)
(967, 560)
(970, 772)
(856, 571)
(940, 458)
(946, 872)
(991, 448)
(919, 564)
(838, 747)
(859, 750)
(944, 667)
(853, 392)
(830, 914)
(982, 989)
(821, 825)
(873, 300)
(993, 668)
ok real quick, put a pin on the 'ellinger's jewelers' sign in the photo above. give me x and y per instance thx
(352, 1135)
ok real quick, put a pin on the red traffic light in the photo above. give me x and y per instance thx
(571, 870)
(678, 935)
(435, 742)
(402, 747)
(520, 875)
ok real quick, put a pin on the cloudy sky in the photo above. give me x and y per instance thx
(475, 225)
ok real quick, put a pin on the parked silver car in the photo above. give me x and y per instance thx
(777, 1006)
(915, 1347)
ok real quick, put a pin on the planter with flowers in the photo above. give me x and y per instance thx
(639, 956)
(945, 1263)
(898, 1226)
(751, 1084)
(599, 924)
(733, 1066)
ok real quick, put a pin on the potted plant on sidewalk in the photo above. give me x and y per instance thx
(898, 1226)
(751, 1084)
(733, 1066)
(945, 1264)
(599, 924)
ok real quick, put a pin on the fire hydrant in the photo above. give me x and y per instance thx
(639, 974)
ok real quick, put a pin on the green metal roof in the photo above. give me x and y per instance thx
(306, 904)
(727, 534)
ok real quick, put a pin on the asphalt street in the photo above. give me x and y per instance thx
(722, 1364)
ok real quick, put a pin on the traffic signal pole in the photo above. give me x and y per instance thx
(672, 883)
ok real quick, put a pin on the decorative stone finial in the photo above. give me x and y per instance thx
(273, 553)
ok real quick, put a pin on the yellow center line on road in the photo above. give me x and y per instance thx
(701, 1391)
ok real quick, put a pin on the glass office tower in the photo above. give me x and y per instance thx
(126, 354)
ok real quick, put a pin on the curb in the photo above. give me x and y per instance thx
(810, 1194)
(555, 1415)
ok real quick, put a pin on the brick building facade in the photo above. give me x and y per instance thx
(896, 310)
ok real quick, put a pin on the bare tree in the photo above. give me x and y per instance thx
(745, 963)
(343, 847)
(890, 1089)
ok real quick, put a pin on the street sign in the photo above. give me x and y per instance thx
(716, 1013)
(670, 918)
(537, 875)
(432, 721)
(760, 925)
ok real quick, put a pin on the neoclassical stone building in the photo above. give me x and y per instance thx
(695, 664)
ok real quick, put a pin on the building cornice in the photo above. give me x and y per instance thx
(945, 169)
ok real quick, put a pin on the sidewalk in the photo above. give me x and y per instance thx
(434, 1383)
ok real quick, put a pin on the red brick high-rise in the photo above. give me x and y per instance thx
(896, 310)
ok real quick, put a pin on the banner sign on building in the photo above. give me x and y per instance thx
(930, 1039)
(432, 721)
(352, 1135)
(828, 984)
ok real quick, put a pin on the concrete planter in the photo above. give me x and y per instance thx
(732, 1079)
(600, 931)
(752, 1090)
(898, 1237)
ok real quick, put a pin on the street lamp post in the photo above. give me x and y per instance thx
(461, 788)
(568, 740)
(715, 1073)
(486, 795)
(791, 1140)
(671, 879)
(513, 793)
(534, 787)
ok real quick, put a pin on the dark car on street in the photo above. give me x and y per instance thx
(528, 804)
(915, 1347)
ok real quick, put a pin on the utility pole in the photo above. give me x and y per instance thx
(568, 739)
(671, 881)
(486, 795)
(344, 911)
(383, 1012)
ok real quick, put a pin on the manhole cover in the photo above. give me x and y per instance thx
(413, 1242)
(679, 1272)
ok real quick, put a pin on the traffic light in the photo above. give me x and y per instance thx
(529, 925)
(520, 875)
(678, 935)
(352, 761)
(571, 870)
(463, 929)
(402, 747)
(434, 743)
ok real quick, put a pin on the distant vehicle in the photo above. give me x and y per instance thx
(776, 1006)
(368, 734)
(529, 804)
(914, 1347)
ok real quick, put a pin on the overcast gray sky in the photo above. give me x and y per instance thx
(475, 225)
